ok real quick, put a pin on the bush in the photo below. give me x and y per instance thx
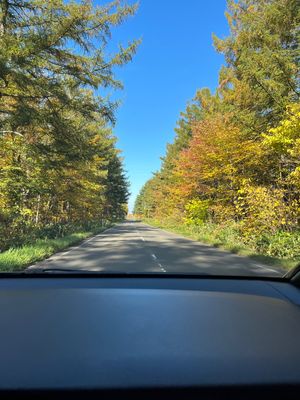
(281, 245)
(18, 234)
(196, 212)
(263, 211)
(280, 249)
(16, 259)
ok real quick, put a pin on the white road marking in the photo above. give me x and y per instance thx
(77, 247)
(66, 252)
(267, 269)
(161, 267)
(85, 241)
(216, 249)
(154, 237)
(58, 255)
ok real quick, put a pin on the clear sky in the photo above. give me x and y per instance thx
(175, 59)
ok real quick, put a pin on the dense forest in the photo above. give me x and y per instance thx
(234, 167)
(59, 165)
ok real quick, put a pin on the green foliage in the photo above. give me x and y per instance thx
(21, 233)
(59, 165)
(16, 259)
(280, 249)
(262, 50)
(116, 192)
(51, 50)
(281, 244)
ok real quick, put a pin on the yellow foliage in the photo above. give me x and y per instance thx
(264, 210)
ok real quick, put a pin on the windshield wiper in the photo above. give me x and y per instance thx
(58, 270)
(294, 275)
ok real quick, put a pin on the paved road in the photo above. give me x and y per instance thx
(136, 247)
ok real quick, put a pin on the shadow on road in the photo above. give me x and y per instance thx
(132, 247)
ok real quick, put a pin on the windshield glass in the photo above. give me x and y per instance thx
(151, 137)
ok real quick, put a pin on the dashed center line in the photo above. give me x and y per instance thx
(159, 264)
(154, 257)
(161, 267)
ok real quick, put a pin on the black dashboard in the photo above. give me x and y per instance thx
(169, 337)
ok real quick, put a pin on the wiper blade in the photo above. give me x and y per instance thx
(59, 270)
(292, 273)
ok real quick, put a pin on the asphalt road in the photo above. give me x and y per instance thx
(136, 247)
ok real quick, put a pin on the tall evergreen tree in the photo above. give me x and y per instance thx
(57, 151)
(262, 54)
(50, 49)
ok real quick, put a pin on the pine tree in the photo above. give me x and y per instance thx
(262, 55)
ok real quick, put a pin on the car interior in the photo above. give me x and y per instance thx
(149, 336)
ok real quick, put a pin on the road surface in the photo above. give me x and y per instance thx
(136, 247)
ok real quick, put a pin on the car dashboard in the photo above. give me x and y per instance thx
(149, 337)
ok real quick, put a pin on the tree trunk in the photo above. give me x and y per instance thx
(3, 17)
(37, 215)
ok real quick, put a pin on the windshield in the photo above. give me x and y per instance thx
(151, 137)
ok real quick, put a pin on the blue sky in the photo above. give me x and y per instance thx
(175, 59)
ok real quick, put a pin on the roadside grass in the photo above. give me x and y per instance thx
(17, 259)
(225, 239)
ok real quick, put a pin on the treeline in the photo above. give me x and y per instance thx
(235, 159)
(59, 166)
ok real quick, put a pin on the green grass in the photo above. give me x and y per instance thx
(17, 259)
(225, 238)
